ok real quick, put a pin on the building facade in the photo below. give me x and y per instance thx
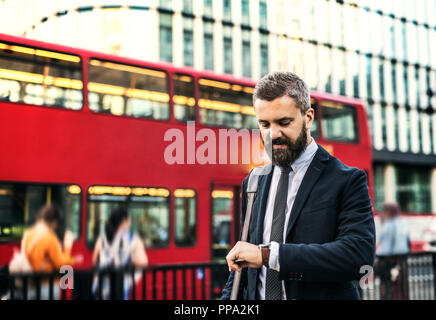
(383, 52)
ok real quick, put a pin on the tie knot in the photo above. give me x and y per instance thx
(286, 170)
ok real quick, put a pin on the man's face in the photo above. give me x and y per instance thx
(285, 131)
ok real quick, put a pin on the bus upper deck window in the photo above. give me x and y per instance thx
(40, 77)
(128, 90)
(339, 122)
(184, 98)
(225, 104)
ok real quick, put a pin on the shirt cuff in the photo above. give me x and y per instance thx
(274, 256)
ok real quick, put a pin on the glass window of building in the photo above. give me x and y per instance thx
(149, 210)
(264, 55)
(40, 77)
(184, 98)
(368, 77)
(245, 6)
(383, 121)
(246, 53)
(352, 69)
(394, 82)
(381, 75)
(413, 189)
(188, 42)
(263, 14)
(404, 39)
(227, 10)
(227, 105)
(337, 23)
(406, 84)
(187, 6)
(20, 203)
(121, 89)
(408, 131)
(396, 129)
(376, 33)
(310, 68)
(325, 69)
(322, 25)
(339, 122)
(208, 9)
(185, 210)
(379, 184)
(364, 35)
(228, 49)
(166, 4)
(208, 46)
(166, 37)
(412, 42)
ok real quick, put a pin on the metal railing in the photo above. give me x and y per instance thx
(400, 277)
(195, 281)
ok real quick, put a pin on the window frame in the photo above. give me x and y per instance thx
(51, 184)
(91, 245)
(196, 217)
(56, 107)
(356, 117)
(199, 98)
(168, 83)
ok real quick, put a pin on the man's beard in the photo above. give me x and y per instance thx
(285, 157)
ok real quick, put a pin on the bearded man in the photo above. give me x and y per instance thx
(312, 226)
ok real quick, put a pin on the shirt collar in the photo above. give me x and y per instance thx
(306, 157)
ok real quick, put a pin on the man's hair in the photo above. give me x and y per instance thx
(278, 84)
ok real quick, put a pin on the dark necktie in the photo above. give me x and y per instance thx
(273, 286)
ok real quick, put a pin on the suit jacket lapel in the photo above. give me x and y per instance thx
(259, 207)
(312, 174)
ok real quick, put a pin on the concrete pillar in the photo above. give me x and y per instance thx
(389, 184)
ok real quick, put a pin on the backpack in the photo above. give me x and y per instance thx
(20, 263)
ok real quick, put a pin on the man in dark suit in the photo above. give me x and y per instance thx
(312, 227)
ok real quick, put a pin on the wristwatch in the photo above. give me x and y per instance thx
(264, 248)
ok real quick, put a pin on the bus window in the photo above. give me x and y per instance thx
(222, 215)
(184, 100)
(339, 122)
(44, 78)
(126, 90)
(224, 104)
(149, 210)
(314, 130)
(20, 202)
(185, 225)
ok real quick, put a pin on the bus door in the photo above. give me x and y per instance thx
(225, 229)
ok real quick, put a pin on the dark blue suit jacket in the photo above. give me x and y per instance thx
(330, 235)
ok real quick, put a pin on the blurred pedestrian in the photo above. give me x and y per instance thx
(118, 248)
(394, 236)
(43, 249)
(393, 240)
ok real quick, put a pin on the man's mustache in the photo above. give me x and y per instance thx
(280, 141)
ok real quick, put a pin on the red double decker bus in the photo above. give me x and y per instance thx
(87, 131)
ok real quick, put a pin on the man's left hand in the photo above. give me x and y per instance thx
(249, 253)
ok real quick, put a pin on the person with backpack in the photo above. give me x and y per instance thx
(41, 250)
(117, 248)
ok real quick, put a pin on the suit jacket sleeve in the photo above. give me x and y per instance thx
(243, 284)
(353, 247)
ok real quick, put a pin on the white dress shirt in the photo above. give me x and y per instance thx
(299, 168)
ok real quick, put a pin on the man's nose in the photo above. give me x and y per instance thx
(275, 132)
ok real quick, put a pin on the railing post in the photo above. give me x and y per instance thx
(144, 285)
(174, 284)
